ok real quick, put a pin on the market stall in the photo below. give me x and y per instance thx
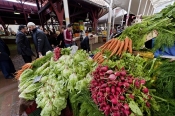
(122, 78)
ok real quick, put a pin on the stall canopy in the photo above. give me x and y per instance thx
(147, 7)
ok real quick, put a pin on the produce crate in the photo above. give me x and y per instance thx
(36, 112)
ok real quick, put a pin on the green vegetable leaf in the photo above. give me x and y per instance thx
(134, 107)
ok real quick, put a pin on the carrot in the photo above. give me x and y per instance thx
(121, 47)
(113, 45)
(105, 44)
(101, 60)
(130, 46)
(126, 44)
(96, 55)
(116, 48)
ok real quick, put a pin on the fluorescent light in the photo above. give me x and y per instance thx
(16, 13)
(26, 3)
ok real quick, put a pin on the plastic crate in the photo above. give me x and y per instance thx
(36, 112)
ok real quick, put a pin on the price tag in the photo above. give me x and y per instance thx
(37, 79)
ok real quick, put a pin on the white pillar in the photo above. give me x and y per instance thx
(113, 20)
(139, 7)
(109, 20)
(122, 18)
(66, 11)
(149, 8)
(129, 7)
(145, 7)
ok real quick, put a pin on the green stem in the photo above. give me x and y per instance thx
(159, 98)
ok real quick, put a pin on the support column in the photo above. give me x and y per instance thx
(113, 21)
(145, 7)
(66, 10)
(149, 8)
(109, 20)
(129, 8)
(139, 8)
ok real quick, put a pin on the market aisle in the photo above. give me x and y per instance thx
(9, 91)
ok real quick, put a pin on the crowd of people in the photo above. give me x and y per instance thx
(43, 42)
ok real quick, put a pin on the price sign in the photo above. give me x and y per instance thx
(37, 79)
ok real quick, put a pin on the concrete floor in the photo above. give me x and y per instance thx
(9, 87)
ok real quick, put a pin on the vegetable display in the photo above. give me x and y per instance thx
(116, 82)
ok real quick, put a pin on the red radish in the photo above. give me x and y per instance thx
(145, 90)
(126, 106)
(116, 114)
(104, 85)
(117, 74)
(127, 112)
(118, 89)
(126, 84)
(114, 101)
(106, 113)
(130, 81)
(131, 96)
(112, 77)
(104, 69)
(120, 84)
(108, 90)
(148, 104)
(100, 93)
(142, 81)
(122, 78)
(109, 72)
(123, 73)
(137, 84)
(122, 98)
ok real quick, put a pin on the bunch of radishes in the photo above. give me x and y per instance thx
(112, 91)
(57, 53)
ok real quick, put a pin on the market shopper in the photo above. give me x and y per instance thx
(6, 65)
(23, 44)
(85, 43)
(40, 40)
(60, 38)
(114, 33)
(68, 39)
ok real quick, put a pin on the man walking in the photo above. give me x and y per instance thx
(23, 44)
(40, 40)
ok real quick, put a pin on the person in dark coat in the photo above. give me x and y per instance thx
(40, 40)
(85, 43)
(60, 38)
(6, 65)
(23, 44)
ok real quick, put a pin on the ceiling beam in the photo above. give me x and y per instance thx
(44, 8)
(78, 13)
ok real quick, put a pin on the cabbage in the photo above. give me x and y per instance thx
(72, 81)
(26, 74)
(27, 96)
(66, 72)
(44, 79)
(32, 88)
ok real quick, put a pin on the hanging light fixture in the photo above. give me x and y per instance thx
(87, 18)
(15, 10)
(15, 22)
(52, 14)
(28, 16)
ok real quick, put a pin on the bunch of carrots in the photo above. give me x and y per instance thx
(24, 67)
(116, 46)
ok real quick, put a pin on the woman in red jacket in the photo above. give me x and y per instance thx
(68, 36)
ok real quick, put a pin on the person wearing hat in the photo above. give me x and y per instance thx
(40, 40)
(68, 39)
(23, 44)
